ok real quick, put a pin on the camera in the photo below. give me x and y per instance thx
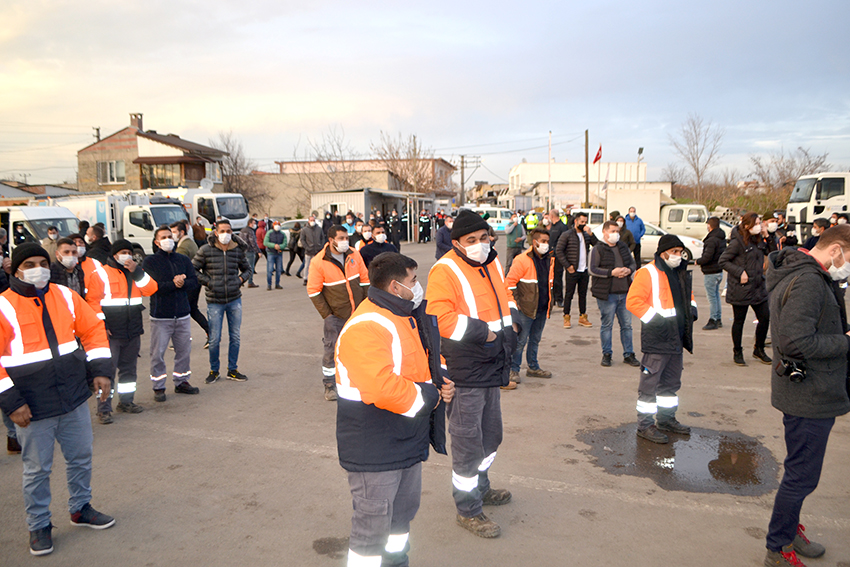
(795, 371)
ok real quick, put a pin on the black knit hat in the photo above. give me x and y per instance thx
(120, 245)
(24, 251)
(667, 242)
(467, 221)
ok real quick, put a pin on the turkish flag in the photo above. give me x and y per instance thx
(598, 155)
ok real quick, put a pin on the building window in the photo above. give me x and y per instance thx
(110, 172)
(160, 175)
(214, 172)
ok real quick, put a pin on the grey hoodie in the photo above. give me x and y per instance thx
(808, 328)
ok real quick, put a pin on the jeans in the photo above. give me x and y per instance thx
(216, 313)
(712, 290)
(531, 330)
(615, 305)
(805, 441)
(251, 265)
(306, 267)
(73, 432)
(274, 265)
(762, 312)
(10, 426)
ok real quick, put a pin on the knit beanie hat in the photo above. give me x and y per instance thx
(120, 245)
(667, 242)
(467, 221)
(24, 251)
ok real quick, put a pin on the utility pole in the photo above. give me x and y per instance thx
(586, 169)
(637, 170)
(549, 203)
(96, 132)
(462, 180)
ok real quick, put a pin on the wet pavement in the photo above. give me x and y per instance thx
(708, 461)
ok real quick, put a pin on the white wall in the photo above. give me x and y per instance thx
(151, 148)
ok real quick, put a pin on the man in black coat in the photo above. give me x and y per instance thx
(714, 244)
(556, 229)
(810, 334)
(573, 252)
(100, 248)
(379, 245)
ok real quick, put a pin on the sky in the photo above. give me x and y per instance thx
(487, 79)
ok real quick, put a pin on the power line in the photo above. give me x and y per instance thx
(494, 173)
(43, 147)
(498, 143)
(528, 149)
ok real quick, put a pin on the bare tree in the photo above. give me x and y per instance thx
(410, 162)
(236, 171)
(328, 164)
(698, 145)
(674, 173)
(779, 170)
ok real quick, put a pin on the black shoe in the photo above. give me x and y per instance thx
(236, 376)
(212, 377)
(252, 284)
(710, 326)
(287, 274)
(719, 323)
(129, 407)
(738, 358)
(90, 518)
(651, 433)
(672, 425)
(12, 446)
(330, 393)
(606, 359)
(631, 360)
(762, 357)
(105, 418)
(278, 287)
(159, 395)
(305, 282)
(186, 388)
(41, 541)
(559, 303)
(268, 288)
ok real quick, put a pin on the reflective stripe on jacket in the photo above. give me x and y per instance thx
(335, 289)
(522, 285)
(651, 299)
(122, 299)
(95, 280)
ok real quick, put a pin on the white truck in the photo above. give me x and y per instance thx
(34, 222)
(208, 205)
(817, 196)
(655, 207)
(124, 214)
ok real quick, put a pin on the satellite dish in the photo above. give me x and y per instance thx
(206, 184)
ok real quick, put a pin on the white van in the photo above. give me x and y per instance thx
(499, 216)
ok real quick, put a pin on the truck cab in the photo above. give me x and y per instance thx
(817, 196)
(686, 220)
(34, 222)
(210, 206)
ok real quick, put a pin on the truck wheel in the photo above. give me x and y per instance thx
(138, 255)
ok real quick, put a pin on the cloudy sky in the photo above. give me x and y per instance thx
(481, 78)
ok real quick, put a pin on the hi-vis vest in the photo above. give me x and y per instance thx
(522, 284)
(95, 279)
(650, 295)
(531, 221)
(116, 293)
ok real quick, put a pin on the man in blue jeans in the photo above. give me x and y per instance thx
(529, 286)
(275, 243)
(611, 268)
(222, 269)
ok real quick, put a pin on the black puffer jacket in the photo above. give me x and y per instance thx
(738, 258)
(568, 250)
(715, 245)
(222, 272)
(100, 250)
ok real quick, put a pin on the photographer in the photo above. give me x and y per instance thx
(809, 379)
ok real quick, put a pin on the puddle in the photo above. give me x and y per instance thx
(333, 547)
(710, 461)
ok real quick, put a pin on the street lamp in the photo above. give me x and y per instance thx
(637, 171)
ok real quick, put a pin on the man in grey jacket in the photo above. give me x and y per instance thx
(312, 239)
(809, 379)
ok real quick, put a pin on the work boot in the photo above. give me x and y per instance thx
(567, 324)
(277, 286)
(710, 326)
(738, 357)
(584, 321)
(129, 407)
(606, 359)
(105, 418)
(186, 388)
(41, 541)
(12, 446)
(511, 386)
(719, 323)
(514, 377)
(784, 558)
(480, 525)
(804, 547)
(252, 284)
(651, 433)
(758, 353)
(537, 373)
(631, 360)
(330, 393)
(159, 395)
(496, 497)
(673, 426)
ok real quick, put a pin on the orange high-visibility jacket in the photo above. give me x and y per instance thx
(522, 283)
(95, 280)
(47, 370)
(122, 299)
(334, 289)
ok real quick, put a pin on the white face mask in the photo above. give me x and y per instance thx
(815, 232)
(36, 276)
(53, 236)
(367, 235)
(449, 225)
(167, 244)
(673, 261)
(542, 248)
(358, 229)
(380, 238)
(546, 221)
(755, 230)
(311, 223)
(840, 273)
(633, 215)
(842, 220)
(277, 228)
(613, 237)
(123, 258)
(88, 239)
(417, 291)
(341, 246)
(81, 251)
(225, 238)
(771, 227)
(620, 224)
(69, 261)
(478, 252)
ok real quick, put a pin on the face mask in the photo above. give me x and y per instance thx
(224, 238)
(367, 235)
(341, 247)
(613, 237)
(840, 273)
(358, 229)
(20, 230)
(380, 238)
(449, 225)
(513, 220)
(123, 258)
(277, 228)
(755, 229)
(543, 248)
(417, 291)
(673, 261)
(632, 215)
(842, 221)
(620, 224)
(81, 251)
(312, 223)
(69, 261)
(167, 245)
(771, 227)
(88, 239)
(36, 276)
(478, 252)
(815, 233)
(546, 222)
(53, 236)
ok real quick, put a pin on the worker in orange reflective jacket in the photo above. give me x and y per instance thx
(95, 276)
(467, 293)
(661, 297)
(44, 384)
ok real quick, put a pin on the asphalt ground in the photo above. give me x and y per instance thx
(247, 474)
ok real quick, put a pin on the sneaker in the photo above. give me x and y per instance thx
(480, 525)
(738, 358)
(631, 360)
(567, 323)
(511, 386)
(719, 323)
(673, 426)
(651, 433)
(761, 356)
(537, 373)
(12, 446)
(236, 376)
(269, 288)
(514, 376)
(330, 393)
(159, 395)
(784, 558)
(129, 407)
(305, 282)
(278, 287)
(606, 359)
(207, 344)
(41, 541)
(91, 518)
(710, 326)
(496, 497)
(212, 377)
(105, 418)
(584, 321)
(804, 547)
